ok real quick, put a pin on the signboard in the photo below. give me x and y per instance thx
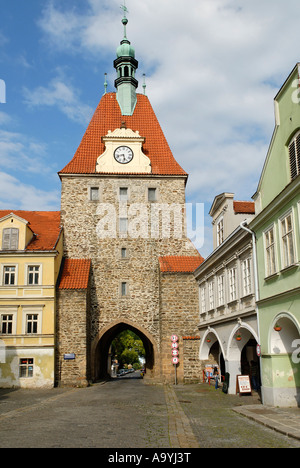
(174, 344)
(175, 352)
(175, 360)
(258, 350)
(243, 384)
(69, 356)
(174, 338)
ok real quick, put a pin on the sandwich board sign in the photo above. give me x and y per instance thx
(243, 385)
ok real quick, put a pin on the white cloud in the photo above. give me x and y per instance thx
(14, 194)
(24, 154)
(64, 96)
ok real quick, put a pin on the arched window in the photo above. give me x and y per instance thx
(294, 155)
(126, 71)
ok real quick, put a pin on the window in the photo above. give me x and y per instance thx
(31, 324)
(94, 193)
(220, 231)
(232, 284)
(221, 298)
(123, 194)
(123, 252)
(6, 324)
(124, 289)
(9, 275)
(270, 252)
(287, 241)
(294, 155)
(202, 298)
(26, 367)
(246, 272)
(33, 275)
(123, 225)
(10, 239)
(151, 194)
(211, 295)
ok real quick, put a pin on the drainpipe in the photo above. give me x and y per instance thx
(243, 226)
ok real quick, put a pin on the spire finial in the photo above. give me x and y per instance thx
(105, 83)
(124, 20)
(144, 83)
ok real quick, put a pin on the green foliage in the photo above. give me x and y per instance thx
(127, 347)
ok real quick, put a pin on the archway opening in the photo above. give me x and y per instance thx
(105, 352)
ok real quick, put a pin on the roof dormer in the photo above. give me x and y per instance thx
(15, 234)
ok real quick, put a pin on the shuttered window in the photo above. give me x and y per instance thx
(294, 154)
(10, 239)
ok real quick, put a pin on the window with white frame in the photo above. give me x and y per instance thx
(246, 274)
(232, 284)
(220, 231)
(26, 367)
(6, 324)
(270, 254)
(294, 156)
(33, 274)
(202, 298)
(32, 321)
(220, 282)
(9, 275)
(10, 239)
(211, 301)
(287, 240)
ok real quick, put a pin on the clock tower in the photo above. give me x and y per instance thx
(128, 263)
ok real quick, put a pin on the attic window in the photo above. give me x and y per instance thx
(294, 154)
(10, 239)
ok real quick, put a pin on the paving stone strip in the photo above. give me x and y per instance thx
(180, 431)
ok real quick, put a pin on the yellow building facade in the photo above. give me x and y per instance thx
(31, 245)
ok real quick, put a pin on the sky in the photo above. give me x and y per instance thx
(213, 68)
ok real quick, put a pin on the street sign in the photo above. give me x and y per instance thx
(175, 344)
(174, 338)
(175, 360)
(258, 350)
(175, 352)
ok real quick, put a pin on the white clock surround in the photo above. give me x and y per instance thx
(108, 163)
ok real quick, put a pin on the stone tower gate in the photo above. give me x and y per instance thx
(128, 263)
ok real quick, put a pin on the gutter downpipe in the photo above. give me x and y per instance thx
(243, 226)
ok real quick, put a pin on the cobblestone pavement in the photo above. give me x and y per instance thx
(130, 413)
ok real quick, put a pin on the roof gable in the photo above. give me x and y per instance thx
(108, 117)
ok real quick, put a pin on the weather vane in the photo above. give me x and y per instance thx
(124, 8)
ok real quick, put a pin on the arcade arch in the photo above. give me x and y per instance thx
(232, 348)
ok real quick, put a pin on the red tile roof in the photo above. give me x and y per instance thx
(244, 207)
(75, 273)
(179, 264)
(108, 117)
(45, 226)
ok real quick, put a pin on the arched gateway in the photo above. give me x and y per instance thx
(102, 343)
(127, 259)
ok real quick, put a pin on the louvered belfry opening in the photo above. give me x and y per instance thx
(294, 154)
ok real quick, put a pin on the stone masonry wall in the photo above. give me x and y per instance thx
(72, 332)
(82, 219)
(179, 315)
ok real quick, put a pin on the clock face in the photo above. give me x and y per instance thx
(123, 154)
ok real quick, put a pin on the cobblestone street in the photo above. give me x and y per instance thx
(129, 413)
